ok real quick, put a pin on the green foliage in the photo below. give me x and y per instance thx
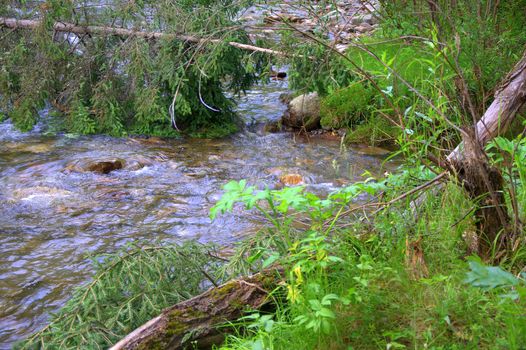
(118, 86)
(129, 288)
(488, 34)
(80, 120)
(494, 277)
(346, 107)
(348, 281)
(510, 155)
(375, 130)
(24, 115)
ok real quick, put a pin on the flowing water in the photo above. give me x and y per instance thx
(53, 214)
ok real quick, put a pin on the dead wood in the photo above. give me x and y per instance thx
(63, 27)
(509, 98)
(195, 322)
(482, 181)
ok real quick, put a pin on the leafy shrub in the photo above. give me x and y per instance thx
(129, 288)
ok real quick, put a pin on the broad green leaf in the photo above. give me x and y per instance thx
(489, 277)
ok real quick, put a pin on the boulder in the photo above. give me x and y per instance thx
(303, 112)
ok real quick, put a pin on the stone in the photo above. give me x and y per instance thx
(291, 179)
(364, 27)
(105, 167)
(272, 127)
(371, 150)
(39, 192)
(28, 147)
(303, 112)
(278, 75)
(286, 97)
(96, 166)
(367, 18)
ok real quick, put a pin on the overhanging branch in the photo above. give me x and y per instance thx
(14, 23)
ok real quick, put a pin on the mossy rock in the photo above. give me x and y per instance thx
(346, 107)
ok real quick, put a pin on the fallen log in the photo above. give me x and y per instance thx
(63, 27)
(195, 321)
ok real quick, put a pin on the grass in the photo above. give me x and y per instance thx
(386, 307)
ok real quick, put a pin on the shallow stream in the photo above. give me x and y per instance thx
(52, 214)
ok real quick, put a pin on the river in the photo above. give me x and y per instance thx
(52, 216)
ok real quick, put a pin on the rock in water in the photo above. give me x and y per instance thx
(303, 112)
(96, 166)
(106, 167)
(291, 179)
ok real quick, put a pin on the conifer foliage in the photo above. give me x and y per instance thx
(121, 85)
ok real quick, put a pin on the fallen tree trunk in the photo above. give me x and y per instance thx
(484, 183)
(14, 23)
(196, 321)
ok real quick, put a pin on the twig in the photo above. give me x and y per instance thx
(413, 191)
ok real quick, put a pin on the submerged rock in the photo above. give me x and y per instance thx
(96, 166)
(371, 150)
(40, 194)
(105, 167)
(303, 112)
(29, 147)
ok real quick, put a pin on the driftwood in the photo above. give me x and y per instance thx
(14, 23)
(195, 322)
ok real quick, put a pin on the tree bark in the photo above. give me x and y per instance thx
(14, 23)
(195, 322)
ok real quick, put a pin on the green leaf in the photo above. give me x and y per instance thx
(489, 277)
(270, 260)
(327, 299)
(315, 304)
(324, 312)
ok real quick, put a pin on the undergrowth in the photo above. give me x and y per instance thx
(390, 281)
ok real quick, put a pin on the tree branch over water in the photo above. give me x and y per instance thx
(14, 23)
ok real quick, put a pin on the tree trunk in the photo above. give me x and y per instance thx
(195, 322)
(483, 182)
(14, 23)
